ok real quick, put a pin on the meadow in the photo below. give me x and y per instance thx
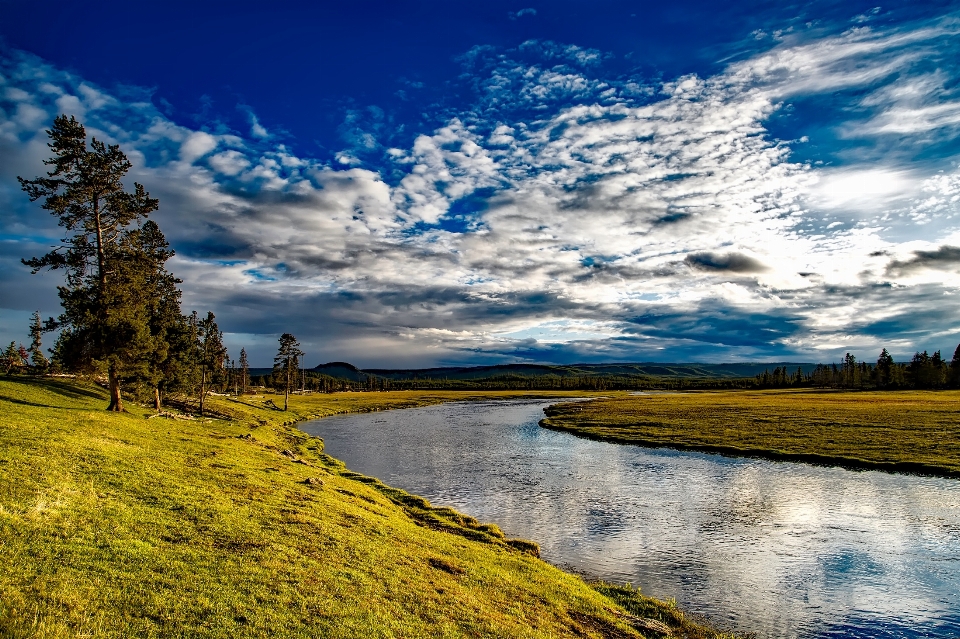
(238, 525)
(899, 431)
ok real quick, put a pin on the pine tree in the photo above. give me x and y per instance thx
(103, 323)
(37, 358)
(211, 353)
(244, 371)
(884, 370)
(286, 363)
(938, 371)
(954, 373)
(161, 361)
(14, 358)
(916, 366)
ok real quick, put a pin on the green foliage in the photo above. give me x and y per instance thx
(286, 364)
(14, 358)
(105, 322)
(244, 371)
(39, 361)
(210, 353)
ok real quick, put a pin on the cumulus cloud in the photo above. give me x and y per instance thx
(560, 214)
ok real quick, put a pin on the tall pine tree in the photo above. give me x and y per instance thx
(211, 353)
(37, 358)
(244, 371)
(286, 363)
(104, 325)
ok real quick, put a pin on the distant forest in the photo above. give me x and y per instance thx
(922, 372)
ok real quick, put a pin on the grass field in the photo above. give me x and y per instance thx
(121, 525)
(903, 431)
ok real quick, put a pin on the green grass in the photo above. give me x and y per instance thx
(116, 525)
(902, 431)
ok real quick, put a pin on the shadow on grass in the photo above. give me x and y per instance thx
(68, 389)
(24, 402)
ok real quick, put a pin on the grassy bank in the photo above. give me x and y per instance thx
(240, 526)
(904, 431)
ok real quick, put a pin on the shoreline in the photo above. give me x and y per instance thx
(903, 432)
(813, 459)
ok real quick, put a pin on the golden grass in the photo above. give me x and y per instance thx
(121, 526)
(909, 431)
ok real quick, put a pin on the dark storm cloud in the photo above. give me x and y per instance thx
(712, 323)
(732, 262)
(945, 257)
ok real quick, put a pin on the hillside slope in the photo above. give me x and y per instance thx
(118, 525)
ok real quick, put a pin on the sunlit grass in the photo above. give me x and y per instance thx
(122, 526)
(912, 431)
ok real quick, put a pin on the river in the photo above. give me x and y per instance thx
(780, 549)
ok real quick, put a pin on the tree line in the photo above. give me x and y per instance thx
(121, 316)
(923, 371)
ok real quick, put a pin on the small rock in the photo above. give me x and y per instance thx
(652, 625)
(313, 481)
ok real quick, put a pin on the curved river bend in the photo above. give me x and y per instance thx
(780, 549)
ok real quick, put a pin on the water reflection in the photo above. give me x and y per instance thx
(785, 550)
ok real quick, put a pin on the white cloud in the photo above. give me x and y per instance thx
(863, 189)
(564, 203)
(196, 145)
(256, 129)
(229, 162)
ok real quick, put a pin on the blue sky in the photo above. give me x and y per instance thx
(415, 184)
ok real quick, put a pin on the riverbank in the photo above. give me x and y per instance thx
(894, 431)
(239, 526)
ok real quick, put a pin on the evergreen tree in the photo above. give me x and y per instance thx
(103, 323)
(883, 373)
(849, 372)
(954, 373)
(37, 358)
(938, 371)
(244, 371)
(211, 353)
(286, 363)
(161, 362)
(14, 358)
(927, 371)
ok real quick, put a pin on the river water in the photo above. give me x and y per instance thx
(775, 548)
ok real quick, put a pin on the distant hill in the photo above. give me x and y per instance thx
(341, 370)
(346, 371)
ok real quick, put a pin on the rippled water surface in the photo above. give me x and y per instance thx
(780, 549)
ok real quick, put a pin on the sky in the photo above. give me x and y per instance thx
(412, 184)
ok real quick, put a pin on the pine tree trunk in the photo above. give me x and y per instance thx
(156, 398)
(203, 389)
(286, 389)
(116, 404)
